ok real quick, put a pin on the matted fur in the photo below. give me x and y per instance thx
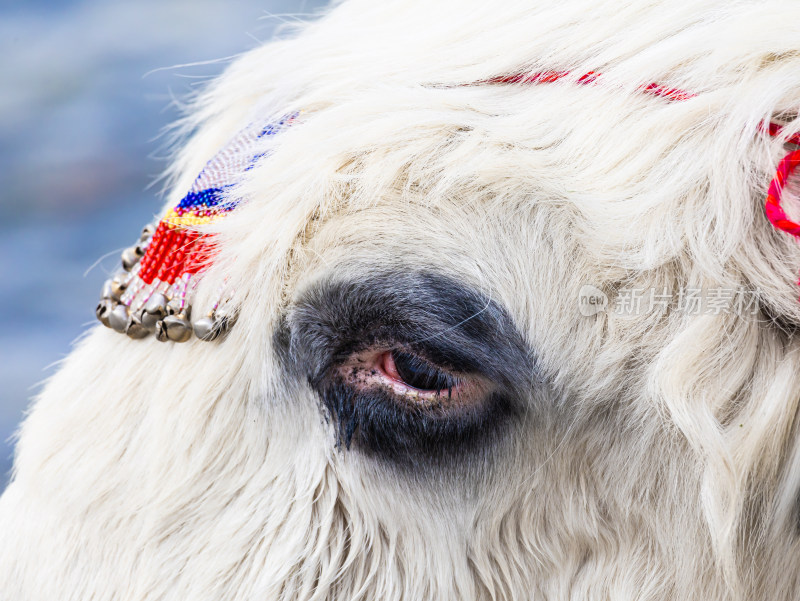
(659, 457)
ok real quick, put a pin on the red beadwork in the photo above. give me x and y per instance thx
(173, 251)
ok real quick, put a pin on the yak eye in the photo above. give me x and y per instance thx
(415, 372)
(409, 366)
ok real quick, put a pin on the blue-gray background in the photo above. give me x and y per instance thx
(87, 87)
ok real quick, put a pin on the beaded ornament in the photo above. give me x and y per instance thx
(154, 290)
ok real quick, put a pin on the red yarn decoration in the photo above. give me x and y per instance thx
(654, 89)
(775, 213)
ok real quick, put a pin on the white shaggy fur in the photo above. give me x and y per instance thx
(663, 460)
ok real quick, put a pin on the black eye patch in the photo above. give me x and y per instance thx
(431, 316)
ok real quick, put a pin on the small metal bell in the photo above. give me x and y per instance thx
(103, 310)
(147, 232)
(118, 318)
(157, 305)
(224, 319)
(149, 320)
(135, 329)
(161, 331)
(118, 285)
(107, 291)
(206, 328)
(130, 258)
(177, 327)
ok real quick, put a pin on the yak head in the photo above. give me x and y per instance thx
(504, 319)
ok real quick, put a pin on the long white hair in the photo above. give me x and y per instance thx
(657, 454)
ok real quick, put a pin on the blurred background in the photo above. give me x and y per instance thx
(88, 86)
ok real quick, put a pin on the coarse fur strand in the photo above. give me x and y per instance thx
(658, 456)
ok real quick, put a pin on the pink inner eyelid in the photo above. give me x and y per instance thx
(388, 368)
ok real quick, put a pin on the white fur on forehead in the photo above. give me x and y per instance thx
(691, 174)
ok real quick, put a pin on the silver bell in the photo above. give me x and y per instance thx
(206, 328)
(135, 329)
(118, 285)
(130, 257)
(148, 320)
(103, 310)
(177, 328)
(114, 289)
(225, 318)
(161, 331)
(156, 305)
(147, 232)
(118, 318)
(107, 291)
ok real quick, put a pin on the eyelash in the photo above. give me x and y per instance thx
(416, 373)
